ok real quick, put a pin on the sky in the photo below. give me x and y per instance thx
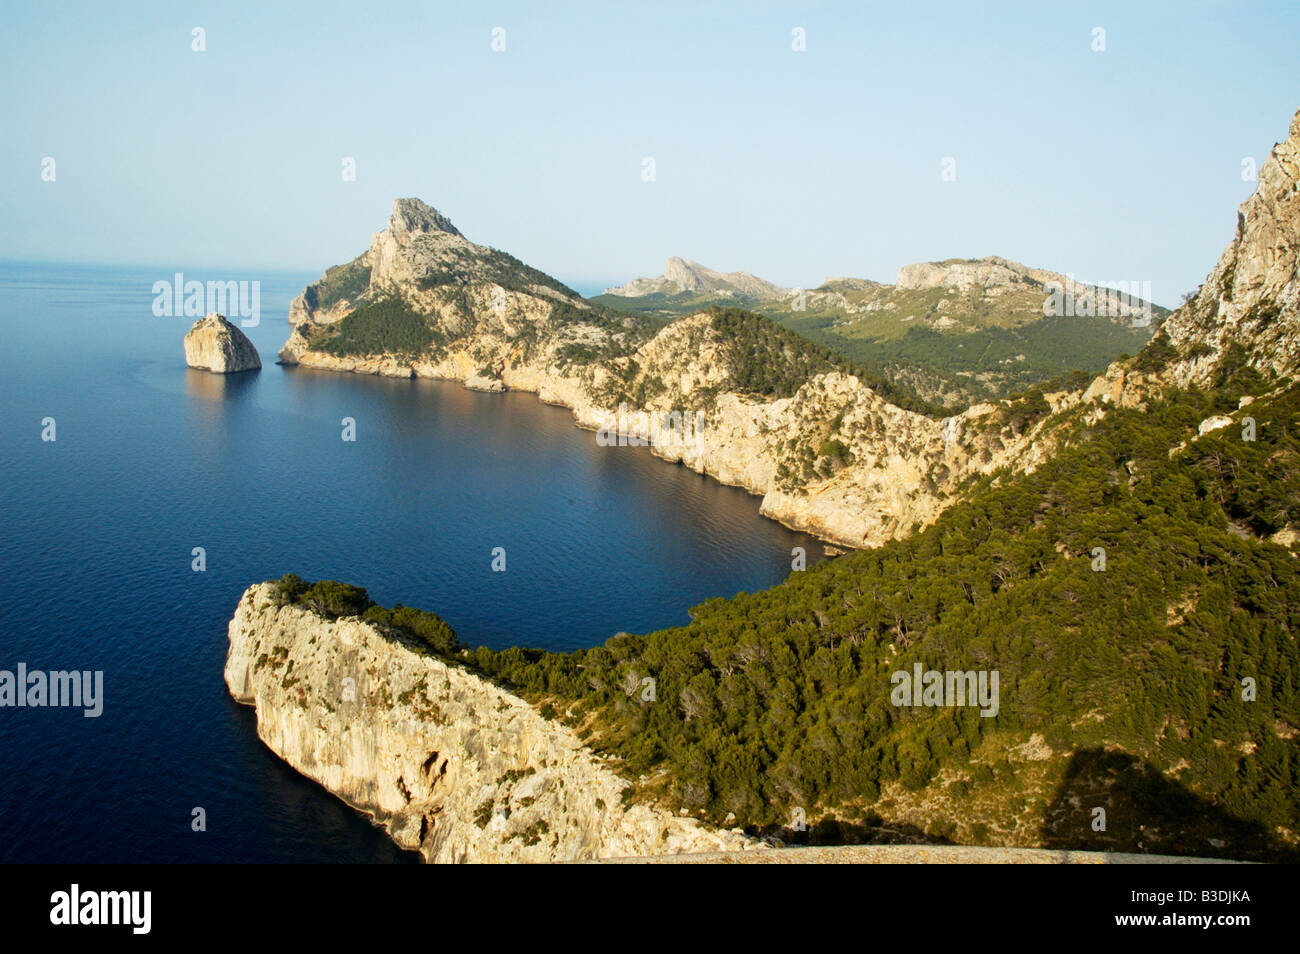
(901, 132)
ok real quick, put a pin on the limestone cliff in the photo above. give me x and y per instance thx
(449, 764)
(1246, 314)
(214, 344)
(1250, 303)
(994, 277)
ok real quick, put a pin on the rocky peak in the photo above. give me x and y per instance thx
(413, 217)
(396, 249)
(686, 274)
(1251, 300)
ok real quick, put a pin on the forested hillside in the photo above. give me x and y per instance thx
(944, 345)
(771, 361)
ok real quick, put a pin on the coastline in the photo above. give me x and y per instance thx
(593, 421)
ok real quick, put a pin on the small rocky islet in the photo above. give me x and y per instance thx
(214, 344)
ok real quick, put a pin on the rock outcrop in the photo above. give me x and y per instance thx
(214, 344)
(449, 764)
(993, 276)
(1246, 315)
(989, 272)
(1250, 304)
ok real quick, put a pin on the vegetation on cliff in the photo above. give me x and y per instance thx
(341, 282)
(381, 326)
(332, 600)
(478, 264)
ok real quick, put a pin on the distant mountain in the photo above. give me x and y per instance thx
(954, 332)
(684, 276)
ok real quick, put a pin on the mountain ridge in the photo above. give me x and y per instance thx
(953, 332)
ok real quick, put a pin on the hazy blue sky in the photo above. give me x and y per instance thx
(1123, 164)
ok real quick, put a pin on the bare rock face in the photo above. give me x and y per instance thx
(982, 272)
(451, 765)
(413, 217)
(1247, 313)
(214, 344)
(1250, 303)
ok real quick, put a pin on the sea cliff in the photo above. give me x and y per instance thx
(451, 765)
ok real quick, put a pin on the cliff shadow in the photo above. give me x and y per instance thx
(1146, 813)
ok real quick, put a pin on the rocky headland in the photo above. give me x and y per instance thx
(828, 454)
(449, 764)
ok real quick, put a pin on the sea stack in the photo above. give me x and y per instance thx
(214, 344)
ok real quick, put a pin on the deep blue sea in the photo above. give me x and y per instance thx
(152, 459)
